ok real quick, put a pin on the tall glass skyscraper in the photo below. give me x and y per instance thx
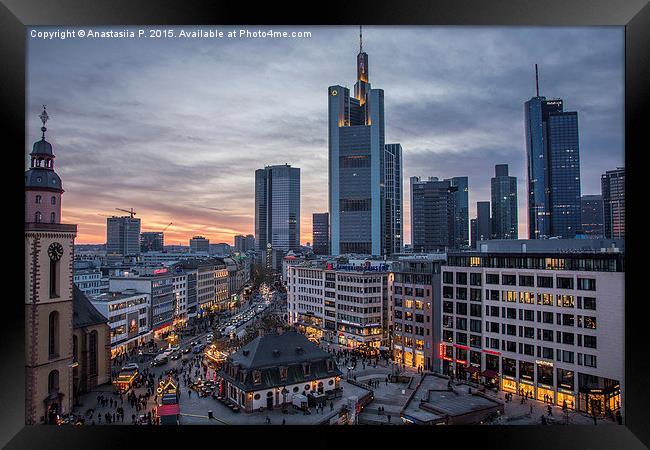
(613, 191)
(504, 204)
(320, 233)
(433, 209)
(364, 173)
(592, 216)
(277, 209)
(553, 159)
(461, 212)
(483, 221)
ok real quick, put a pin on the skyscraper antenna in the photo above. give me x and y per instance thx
(360, 40)
(536, 80)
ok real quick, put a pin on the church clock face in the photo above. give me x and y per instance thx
(55, 251)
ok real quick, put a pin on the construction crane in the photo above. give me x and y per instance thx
(169, 225)
(130, 211)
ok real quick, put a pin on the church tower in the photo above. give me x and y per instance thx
(49, 255)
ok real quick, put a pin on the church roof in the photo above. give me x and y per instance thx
(38, 178)
(84, 313)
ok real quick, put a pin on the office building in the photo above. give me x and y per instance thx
(365, 195)
(277, 213)
(414, 304)
(344, 302)
(553, 159)
(220, 249)
(613, 192)
(393, 200)
(152, 241)
(199, 244)
(473, 232)
(505, 224)
(483, 222)
(460, 215)
(433, 213)
(320, 233)
(87, 278)
(123, 236)
(538, 317)
(592, 216)
(244, 244)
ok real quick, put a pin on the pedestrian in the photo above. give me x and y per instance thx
(531, 409)
(550, 410)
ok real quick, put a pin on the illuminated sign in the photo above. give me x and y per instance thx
(544, 363)
(334, 92)
(157, 271)
(365, 267)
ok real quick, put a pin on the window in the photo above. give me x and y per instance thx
(448, 292)
(475, 279)
(511, 313)
(589, 303)
(475, 310)
(475, 325)
(547, 353)
(461, 293)
(475, 295)
(283, 371)
(53, 334)
(544, 282)
(461, 278)
(526, 280)
(568, 338)
(529, 332)
(53, 200)
(447, 336)
(53, 382)
(37, 200)
(590, 322)
(257, 377)
(547, 317)
(568, 320)
(474, 341)
(529, 315)
(448, 307)
(509, 280)
(586, 284)
(461, 338)
(448, 277)
(589, 341)
(547, 335)
(38, 217)
(492, 278)
(461, 308)
(461, 323)
(590, 360)
(564, 283)
(52, 217)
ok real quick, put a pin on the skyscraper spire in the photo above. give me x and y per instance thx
(44, 118)
(360, 39)
(536, 81)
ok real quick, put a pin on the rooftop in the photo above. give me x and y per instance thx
(84, 313)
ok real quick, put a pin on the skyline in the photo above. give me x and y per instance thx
(455, 127)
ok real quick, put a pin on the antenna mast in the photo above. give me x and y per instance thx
(536, 80)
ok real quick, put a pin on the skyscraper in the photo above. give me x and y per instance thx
(613, 190)
(553, 159)
(244, 243)
(504, 204)
(199, 244)
(360, 220)
(152, 241)
(393, 200)
(461, 212)
(483, 221)
(320, 233)
(277, 211)
(592, 216)
(123, 236)
(433, 211)
(473, 232)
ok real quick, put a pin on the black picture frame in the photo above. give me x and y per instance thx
(634, 15)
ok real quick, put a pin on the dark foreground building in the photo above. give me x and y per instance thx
(271, 369)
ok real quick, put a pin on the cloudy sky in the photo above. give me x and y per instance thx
(175, 128)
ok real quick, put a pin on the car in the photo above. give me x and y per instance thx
(131, 366)
(198, 348)
(175, 356)
(186, 350)
(174, 348)
(160, 360)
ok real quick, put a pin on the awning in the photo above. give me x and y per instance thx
(488, 373)
(472, 369)
(169, 410)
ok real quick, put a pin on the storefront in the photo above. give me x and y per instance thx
(526, 387)
(474, 373)
(509, 384)
(563, 396)
(491, 377)
(545, 393)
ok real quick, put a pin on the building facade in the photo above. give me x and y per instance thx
(433, 209)
(321, 233)
(393, 200)
(613, 192)
(538, 320)
(87, 278)
(592, 216)
(199, 244)
(414, 298)
(505, 223)
(460, 217)
(277, 212)
(123, 236)
(344, 302)
(244, 244)
(483, 222)
(152, 241)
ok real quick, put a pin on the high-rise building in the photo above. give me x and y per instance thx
(473, 232)
(592, 216)
(359, 161)
(277, 212)
(320, 233)
(433, 210)
(483, 222)
(504, 204)
(199, 244)
(553, 158)
(152, 241)
(123, 236)
(461, 211)
(244, 243)
(613, 190)
(393, 200)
